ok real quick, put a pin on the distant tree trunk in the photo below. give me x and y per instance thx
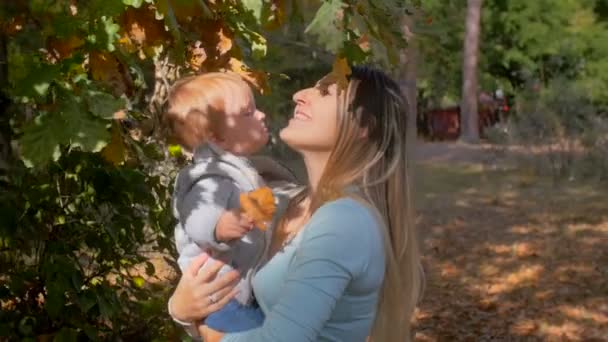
(407, 80)
(469, 126)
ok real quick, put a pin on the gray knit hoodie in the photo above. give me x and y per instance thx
(208, 187)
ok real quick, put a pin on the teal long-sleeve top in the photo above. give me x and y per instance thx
(325, 284)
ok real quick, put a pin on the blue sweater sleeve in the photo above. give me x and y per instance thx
(335, 249)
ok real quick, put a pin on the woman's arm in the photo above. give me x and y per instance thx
(335, 249)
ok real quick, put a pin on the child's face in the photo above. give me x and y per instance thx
(244, 131)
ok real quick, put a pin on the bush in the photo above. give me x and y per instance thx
(561, 131)
(74, 243)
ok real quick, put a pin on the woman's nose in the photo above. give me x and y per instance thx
(300, 96)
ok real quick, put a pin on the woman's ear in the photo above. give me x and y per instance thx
(364, 133)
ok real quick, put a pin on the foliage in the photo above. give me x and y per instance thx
(522, 42)
(560, 125)
(86, 186)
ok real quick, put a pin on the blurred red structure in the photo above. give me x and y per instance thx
(444, 123)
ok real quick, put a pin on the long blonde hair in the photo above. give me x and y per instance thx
(374, 108)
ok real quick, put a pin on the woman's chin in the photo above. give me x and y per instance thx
(290, 137)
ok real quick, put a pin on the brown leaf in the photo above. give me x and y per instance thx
(276, 18)
(142, 28)
(256, 78)
(196, 55)
(259, 205)
(115, 151)
(63, 48)
(14, 25)
(340, 71)
(106, 68)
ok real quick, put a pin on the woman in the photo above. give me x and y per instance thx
(344, 262)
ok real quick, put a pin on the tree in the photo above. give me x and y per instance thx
(468, 110)
(409, 62)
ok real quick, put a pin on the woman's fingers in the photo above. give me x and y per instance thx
(210, 272)
(227, 280)
(222, 300)
(196, 264)
(228, 291)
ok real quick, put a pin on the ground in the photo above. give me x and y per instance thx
(508, 256)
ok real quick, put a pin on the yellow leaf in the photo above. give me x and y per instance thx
(115, 151)
(139, 281)
(340, 71)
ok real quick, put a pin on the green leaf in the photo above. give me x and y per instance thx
(134, 3)
(324, 25)
(26, 325)
(255, 8)
(165, 8)
(108, 33)
(42, 139)
(258, 47)
(55, 300)
(66, 335)
(85, 301)
(104, 105)
(37, 83)
(85, 132)
(99, 8)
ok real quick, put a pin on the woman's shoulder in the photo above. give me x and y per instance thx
(348, 232)
(347, 209)
(347, 219)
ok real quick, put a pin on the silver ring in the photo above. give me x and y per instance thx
(212, 298)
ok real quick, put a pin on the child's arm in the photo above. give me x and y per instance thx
(202, 208)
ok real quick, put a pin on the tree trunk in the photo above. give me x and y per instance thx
(469, 125)
(409, 58)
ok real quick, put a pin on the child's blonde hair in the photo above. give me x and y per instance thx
(196, 106)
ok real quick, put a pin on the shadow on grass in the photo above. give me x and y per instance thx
(511, 257)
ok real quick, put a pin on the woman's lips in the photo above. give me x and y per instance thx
(301, 116)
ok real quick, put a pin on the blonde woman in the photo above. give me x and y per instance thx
(344, 262)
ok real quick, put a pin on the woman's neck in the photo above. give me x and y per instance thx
(315, 165)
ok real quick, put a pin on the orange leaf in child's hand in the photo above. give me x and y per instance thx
(259, 206)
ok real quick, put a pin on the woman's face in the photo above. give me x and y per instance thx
(313, 126)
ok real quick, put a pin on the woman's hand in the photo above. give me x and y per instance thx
(199, 294)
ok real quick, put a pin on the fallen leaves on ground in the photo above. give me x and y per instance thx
(511, 262)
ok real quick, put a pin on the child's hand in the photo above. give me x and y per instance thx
(232, 225)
